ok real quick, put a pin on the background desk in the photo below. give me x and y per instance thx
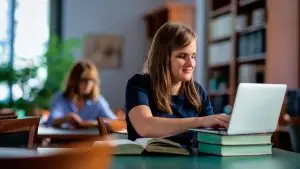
(61, 136)
(56, 137)
(56, 133)
(279, 160)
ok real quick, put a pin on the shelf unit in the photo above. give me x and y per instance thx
(279, 62)
(229, 11)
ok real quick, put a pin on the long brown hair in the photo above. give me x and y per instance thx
(80, 70)
(169, 37)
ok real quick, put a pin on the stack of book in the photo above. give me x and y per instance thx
(219, 143)
(7, 114)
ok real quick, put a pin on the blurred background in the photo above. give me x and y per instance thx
(253, 41)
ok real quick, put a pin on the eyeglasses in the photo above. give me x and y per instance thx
(87, 80)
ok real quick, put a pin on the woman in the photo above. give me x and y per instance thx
(81, 99)
(165, 101)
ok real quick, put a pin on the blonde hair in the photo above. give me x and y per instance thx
(169, 37)
(81, 70)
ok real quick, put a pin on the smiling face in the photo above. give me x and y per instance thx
(171, 60)
(183, 63)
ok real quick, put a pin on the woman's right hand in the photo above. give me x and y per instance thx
(215, 121)
(74, 118)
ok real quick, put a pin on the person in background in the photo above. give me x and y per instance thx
(165, 101)
(81, 99)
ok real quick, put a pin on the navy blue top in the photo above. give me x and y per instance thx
(138, 92)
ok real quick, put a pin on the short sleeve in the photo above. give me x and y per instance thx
(104, 109)
(57, 108)
(207, 108)
(137, 92)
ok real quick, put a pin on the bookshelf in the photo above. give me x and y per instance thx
(272, 40)
(249, 41)
(236, 47)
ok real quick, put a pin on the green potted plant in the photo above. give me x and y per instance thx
(57, 61)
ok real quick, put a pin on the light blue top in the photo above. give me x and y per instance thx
(62, 106)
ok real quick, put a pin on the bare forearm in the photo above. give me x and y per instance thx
(148, 126)
(164, 127)
(58, 121)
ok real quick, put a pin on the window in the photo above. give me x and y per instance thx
(24, 33)
(4, 43)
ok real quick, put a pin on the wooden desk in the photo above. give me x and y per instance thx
(67, 134)
(279, 160)
(281, 138)
(56, 137)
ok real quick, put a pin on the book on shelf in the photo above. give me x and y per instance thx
(258, 16)
(247, 73)
(252, 43)
(293, 102)
(219, 53)
(145, 145)
(221, 26)
(235, 150)
(241, 22)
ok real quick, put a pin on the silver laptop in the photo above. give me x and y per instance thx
(256, 109)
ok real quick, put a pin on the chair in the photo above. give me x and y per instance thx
(120, 113)
(109, 126)
(96, 157)
(7, 113)
(103, 130)
(44, 114)
(18, 132)
(294, 131)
